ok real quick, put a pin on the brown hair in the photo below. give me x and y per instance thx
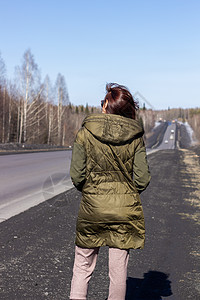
(120, 101)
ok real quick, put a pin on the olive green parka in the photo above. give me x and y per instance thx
(109, 166)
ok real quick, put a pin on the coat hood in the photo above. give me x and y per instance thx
(112, 128)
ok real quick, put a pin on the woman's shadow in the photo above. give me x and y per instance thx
(153, 286)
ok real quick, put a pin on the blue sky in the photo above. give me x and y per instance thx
(151, 46)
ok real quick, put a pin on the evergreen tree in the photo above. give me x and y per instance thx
(86, 109)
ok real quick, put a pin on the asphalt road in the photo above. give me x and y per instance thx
(29, 179)
(154, 138)
(169, 138)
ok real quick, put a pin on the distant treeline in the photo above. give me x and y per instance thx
(37, 112)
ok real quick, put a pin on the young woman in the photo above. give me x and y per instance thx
(109, 166)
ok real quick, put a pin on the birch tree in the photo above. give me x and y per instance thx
(50, 118)
(13, 107)
(62, 102)
(30, 89)
(3, 97)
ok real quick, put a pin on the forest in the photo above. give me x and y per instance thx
(36, 112)
(33, 111)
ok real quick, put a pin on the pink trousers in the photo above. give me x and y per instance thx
(84, 264)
